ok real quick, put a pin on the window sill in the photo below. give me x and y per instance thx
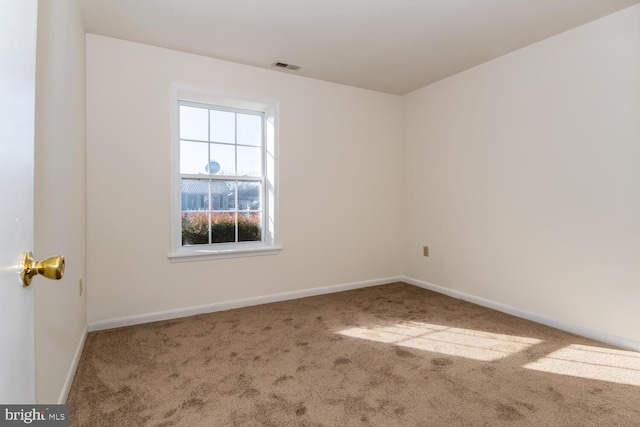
(195, 254)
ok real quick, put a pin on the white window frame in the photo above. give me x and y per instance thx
(270, 243)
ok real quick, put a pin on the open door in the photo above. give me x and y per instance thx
(18, 19)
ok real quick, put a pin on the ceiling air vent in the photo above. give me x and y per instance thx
(285, 65)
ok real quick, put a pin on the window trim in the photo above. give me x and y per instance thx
(271, 243)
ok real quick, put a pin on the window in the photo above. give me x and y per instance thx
(224, 177)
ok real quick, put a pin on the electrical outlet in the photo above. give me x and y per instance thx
(80, 287)
(425, 250)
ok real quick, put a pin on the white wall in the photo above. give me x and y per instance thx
(340, 176)
(59, 194)
(523, 174)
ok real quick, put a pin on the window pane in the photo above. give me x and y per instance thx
(195, 228)
(193, 157)
(249, 229)
(223, 126)
(249, 161)
(225, 156)
(195, 195)
(193, 123)
(249, 196)
(249, 129)
(222, 163)
(223, 227)
(223, 195)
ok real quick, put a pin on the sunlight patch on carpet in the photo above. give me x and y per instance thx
(617, 366)
(472, 344)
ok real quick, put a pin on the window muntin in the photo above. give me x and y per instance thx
(222, 175)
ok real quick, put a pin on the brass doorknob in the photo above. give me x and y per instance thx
(51, 268)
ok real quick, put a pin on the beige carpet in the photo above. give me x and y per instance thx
(393, 355)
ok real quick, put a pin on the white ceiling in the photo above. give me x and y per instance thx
(392, 46)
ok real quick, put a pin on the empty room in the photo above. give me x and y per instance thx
(323, 213)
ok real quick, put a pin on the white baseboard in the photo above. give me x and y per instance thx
(64, 394)
(554, 323)
(239, 303)
(247, 302)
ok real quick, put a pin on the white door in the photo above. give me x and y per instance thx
(18, 20)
